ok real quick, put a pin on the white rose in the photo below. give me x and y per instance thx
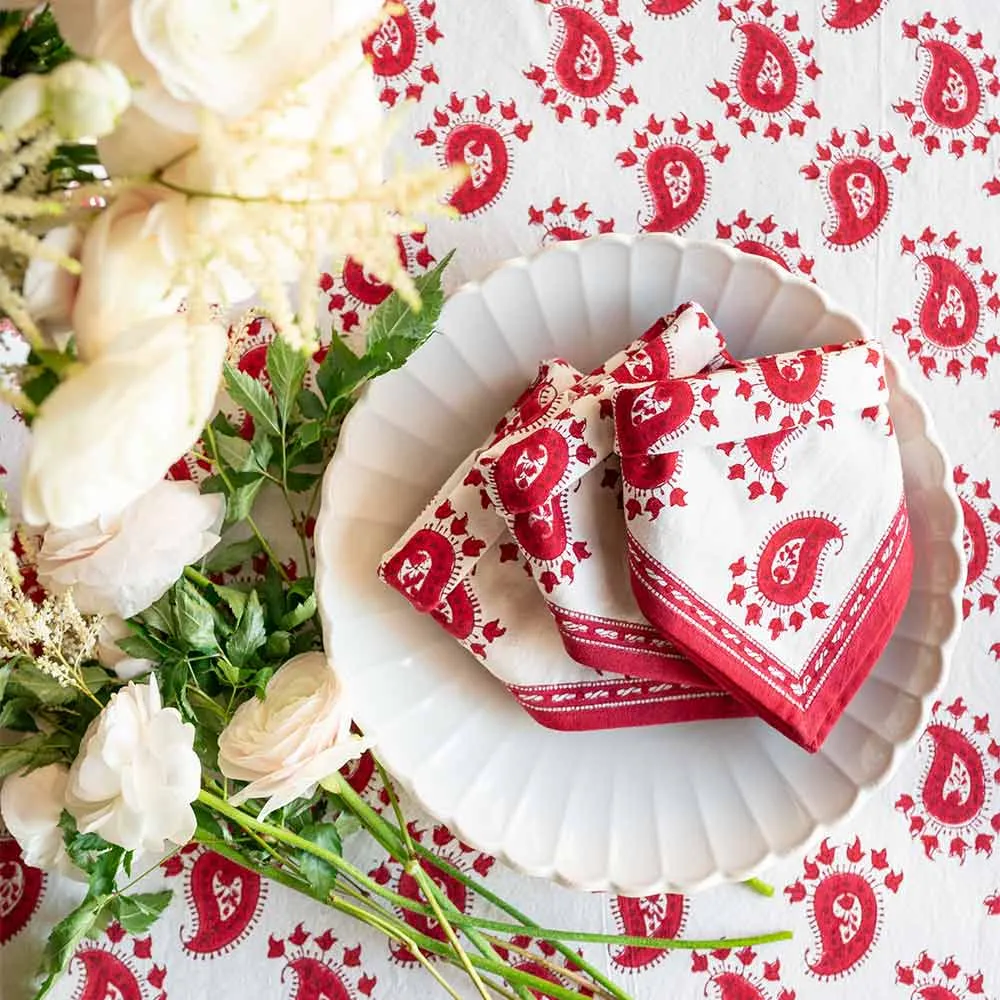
(120, 564)
(137, 773)
(86, 99)
(112, 656)
(23, 101)
(31, 805)
(299, 734)
(50, 290)
(113, 428)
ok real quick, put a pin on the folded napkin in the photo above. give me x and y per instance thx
(459, 563)
(557, 486)
(784, 560)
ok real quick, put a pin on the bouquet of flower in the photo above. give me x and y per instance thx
(162, 675)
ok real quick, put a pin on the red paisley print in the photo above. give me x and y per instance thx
(763, 238)
(955, 788)
(951, 95)
(794, 379)
(527, 472)
(586, 63)
(645, 416)
(226, 900)
(560, 223)
(422, 568)
(21, 890)
(319, 967)
(458, 611)
(660, 916)
(542, 532)
(845, 909)
(363, 285)
(789, 566)
(392, 47)
(846, 15)
(314, 980)
(949, 315)
(975, 541)
(668, 8)
(106, 976)
(648, 472)
(767, 78)
(944, 979)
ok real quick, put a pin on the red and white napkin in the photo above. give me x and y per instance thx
(459, 563)
(773, 543)
(557, 486)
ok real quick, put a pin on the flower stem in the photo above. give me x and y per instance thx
(760, 887)
(197, 578)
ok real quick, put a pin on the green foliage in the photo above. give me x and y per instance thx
(320, 874)
(36, 47)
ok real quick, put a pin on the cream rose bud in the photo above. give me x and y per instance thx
(86, 99)
(50, 290)
(31, 805)
(299, 734)
(113, 657)
(120, 563)
(112, 429)
(23, 101)
(137, 773)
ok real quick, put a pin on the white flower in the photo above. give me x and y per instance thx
(50, 290)
(113, 428)
(137, 773)
(299, 734)
(23, 101)
(86, 99)
(31, 805)
(112, 656)
(120, 563)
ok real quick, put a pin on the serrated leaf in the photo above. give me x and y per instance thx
(159, 615)
(341, 372)
(213, 484)
(33, 752)
(302, 613)
(308, 433)
(234, 451)
(28, 681)
(15, 715)
(395, 319)
(221, 424)
(104, 870)
(234, 597)
(250, 633)
(138, 913)
(240, 502)
(229, 556)
(139, 647)
(278, 645)
(299, 482)
(247, 392)
(310, 405)
(64, 939)
(195, 621)
(321, 875)
(4, 675)
(286, 368)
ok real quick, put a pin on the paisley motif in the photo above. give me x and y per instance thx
(793, 379)
(421, 569)
(935, 991)
(646, 364)
(759, 249)
(528, 471)
(677, 182)
(657, 916)
(954, 790)
(648, 472)
(542, 532)
(845, 909)
(457, 614)
(949, 312)
(586, 64)
(393, 46)
(226, 899)
(767, 78)
(316, 981)
(482, 150)
(532, 404)
(951, 94)
(668, 8)
(763, 447)
(106, 977)
(20, 890)
(975, 542)
(845, 15)
(732, 986)
(860, 194)
(789, 565)
(409, 888)
(364, 286)
(644, 416)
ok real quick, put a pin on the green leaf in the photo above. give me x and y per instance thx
(278, 645)
(221, 424)
(308, 433)
(160, 615)
(4, 675)
(64, 939)
(139, 647)
(229, 556)
(302, 613)
(213, 484)
(33, 752)
(234, 597)
(286, 368)
(228, 671)
(260, 680)
(15, 715)
(240, 502)
(104, 871)
(341, 371)
(195, 621)
(320, 874)
(138, 913)
(28, 681)
(395, 319)
(250, 633)
(234, 451)
(311, 405)
(247, 392)
(299, 482)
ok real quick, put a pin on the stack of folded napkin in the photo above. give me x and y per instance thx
(676, 536)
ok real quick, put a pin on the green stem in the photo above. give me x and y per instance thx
(197, 578)
(760, 887)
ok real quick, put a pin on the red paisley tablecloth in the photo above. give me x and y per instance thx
(852, 141)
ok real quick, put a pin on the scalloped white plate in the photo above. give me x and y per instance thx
(633, 811)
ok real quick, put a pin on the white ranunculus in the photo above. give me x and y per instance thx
(31, 805)
(299, 734)
(23, 101)
(137, 773)
(113, 657)
(119, 564)
(86, 99)
(50, 290)
(114, 427)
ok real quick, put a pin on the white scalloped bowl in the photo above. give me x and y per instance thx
(633, 811)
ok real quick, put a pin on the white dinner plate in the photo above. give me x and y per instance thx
(633, 811)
